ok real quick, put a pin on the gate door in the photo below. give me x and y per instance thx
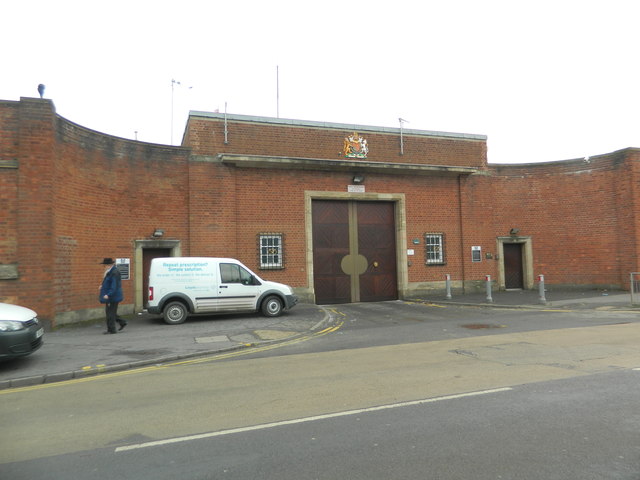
(513, 273)
(377, 243)
(354, 252)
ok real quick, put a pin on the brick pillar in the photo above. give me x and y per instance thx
(36, 154)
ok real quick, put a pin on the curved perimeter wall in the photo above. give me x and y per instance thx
(582, 215)
(71, 196)
(75, 197)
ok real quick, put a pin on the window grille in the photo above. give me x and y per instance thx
(270, 246)
(434, 248)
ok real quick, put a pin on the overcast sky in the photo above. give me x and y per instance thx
(544, 80)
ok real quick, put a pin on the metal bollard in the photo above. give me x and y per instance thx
(489, 297)
(448, 284)
(542, 297)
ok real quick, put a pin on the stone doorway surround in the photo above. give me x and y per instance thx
(527, 260)
(400, 225)
(140, 245)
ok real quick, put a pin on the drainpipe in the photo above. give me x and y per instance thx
(462, 262)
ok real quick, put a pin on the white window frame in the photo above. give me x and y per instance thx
(271, 251)
(434, 248)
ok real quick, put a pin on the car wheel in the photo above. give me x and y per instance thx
(272, 306)
(175, 313)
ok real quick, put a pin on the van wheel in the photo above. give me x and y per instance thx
(272, 306)
(175, 313)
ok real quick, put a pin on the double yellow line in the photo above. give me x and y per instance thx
(264, 348)
(212, 358)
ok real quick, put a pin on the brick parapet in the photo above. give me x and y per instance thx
(206, 136)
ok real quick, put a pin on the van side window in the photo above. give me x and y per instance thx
(231, 273)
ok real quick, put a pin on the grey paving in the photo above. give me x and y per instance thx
(575, 299)
(80, 351)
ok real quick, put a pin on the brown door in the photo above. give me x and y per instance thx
(377, 243)
(354, 252)
(513, 274)
(330, 246)
(149, 254)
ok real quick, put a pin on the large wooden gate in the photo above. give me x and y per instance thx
(354, 251)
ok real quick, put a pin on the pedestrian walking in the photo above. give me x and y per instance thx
(111, 295)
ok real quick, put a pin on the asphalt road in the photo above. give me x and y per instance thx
(511, 397)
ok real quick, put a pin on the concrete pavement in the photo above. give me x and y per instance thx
(80, 351)
(574, 299)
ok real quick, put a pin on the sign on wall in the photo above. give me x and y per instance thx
(476, 254)
(123, 265)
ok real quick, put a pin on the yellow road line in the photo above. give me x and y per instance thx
(82, 380)
(212, 358)
(263, 348)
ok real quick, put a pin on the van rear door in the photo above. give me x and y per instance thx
(237, 289)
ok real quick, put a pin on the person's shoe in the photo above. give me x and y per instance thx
(122, 325)
(108, 332)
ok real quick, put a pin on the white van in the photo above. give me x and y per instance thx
(179, 286)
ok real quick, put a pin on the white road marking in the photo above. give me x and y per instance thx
(306, 419)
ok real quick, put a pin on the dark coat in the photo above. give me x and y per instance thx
(112, 286)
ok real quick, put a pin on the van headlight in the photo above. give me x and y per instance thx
(10, 326)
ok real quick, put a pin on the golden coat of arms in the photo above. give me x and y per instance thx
(355, 146)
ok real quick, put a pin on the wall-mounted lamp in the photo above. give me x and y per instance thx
(158, 232)
(358, 178)
(514, 231)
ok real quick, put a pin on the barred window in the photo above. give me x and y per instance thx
(271, 251)
(434, 245)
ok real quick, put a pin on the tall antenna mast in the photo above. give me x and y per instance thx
(173, 82)
(278, 91)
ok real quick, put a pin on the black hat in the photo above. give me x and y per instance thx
(107, 261)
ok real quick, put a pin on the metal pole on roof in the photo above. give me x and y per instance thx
(278, 91)
(173, 82)
(401, 120)
(225, 124)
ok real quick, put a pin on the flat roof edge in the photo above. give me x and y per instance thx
(259, 161)
(337, 126)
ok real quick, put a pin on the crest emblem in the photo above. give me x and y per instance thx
(355, 146)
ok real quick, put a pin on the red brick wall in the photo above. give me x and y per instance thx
(229, 209)
(273, 201)
(212, 209)
(8, 185)
(36, 151)
(581, 215)
(205, 135)
(111, 192)
(82, 196)
(71, 196)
